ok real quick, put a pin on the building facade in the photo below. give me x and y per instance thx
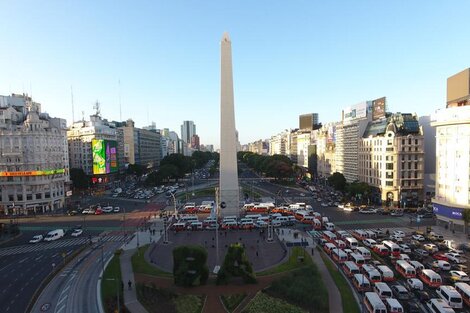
(34, 169)
(308, 121)
(452, 195)
(391, 158)
(188, 130)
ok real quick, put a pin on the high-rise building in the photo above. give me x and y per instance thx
(391, 158)
(229, 190)
(188, 130)
(195, 145)
(141, 146)
(34, 166)
(308, 121)
(453, 153)
(429, 133)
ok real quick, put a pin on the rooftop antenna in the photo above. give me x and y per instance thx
(73, 110)
(83, 116)
(96, 107)
(148, 121)
(120, 109)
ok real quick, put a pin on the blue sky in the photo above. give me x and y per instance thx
(289, 58)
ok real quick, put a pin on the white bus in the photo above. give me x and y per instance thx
(357, 258)
(383, 290)
(386, 272)
(439, 306)
(451, 296)
(351, 242)
(339, 255)
(364, 252)
(330, 236)
(405, 269)
(373, 303)
(464, 290)
(350, 268)
(393, 247)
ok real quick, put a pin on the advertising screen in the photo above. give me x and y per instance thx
(356, 111)
(104, 156)
(378, 108)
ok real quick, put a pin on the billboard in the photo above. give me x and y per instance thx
(450, 212)
(32, 173)
(378, 108)
(355, 111)
(104, 156)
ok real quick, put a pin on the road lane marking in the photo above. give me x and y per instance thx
(59, 310)
(62, 299)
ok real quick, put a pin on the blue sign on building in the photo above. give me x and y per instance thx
(447, 211)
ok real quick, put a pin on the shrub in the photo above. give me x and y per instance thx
(236, 264)
(262, 303)
(190, 268)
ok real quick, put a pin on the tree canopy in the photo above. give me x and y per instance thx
(277, 166)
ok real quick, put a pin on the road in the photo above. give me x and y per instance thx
(74, 289)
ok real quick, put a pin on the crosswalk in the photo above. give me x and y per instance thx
(319, 233)
(59, 244)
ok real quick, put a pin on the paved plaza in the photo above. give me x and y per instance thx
(261, 254)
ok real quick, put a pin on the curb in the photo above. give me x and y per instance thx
(98, 286)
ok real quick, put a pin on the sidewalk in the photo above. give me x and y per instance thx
(139, 239)
(334, 296)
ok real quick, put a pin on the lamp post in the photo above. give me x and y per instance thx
(117, 293)
(174, 201)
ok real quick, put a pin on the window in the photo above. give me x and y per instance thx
(389, 183)
(29, 196)
(389, 166)
(38, 196)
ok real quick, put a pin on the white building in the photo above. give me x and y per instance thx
(188, 130)
(453, 153)
(34, 169)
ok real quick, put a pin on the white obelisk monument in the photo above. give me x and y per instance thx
(228, 188)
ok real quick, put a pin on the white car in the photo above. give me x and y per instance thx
(455, 257)
(399, 233)
(116, 209)
(459, 276)
(36, 239)
(404, 248)
(414, 284)
(418, 237)
(76, 232)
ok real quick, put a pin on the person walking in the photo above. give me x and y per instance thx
(129, 283)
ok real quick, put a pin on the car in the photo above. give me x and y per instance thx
(459, 267)
(412, 307)
(396, 213)
(77, 232)
(399, 233)
(441, 265)
(396, 238)
(72, 212)
(421, 252)
(459, 276)
(86, 211)
(455, 257)
(107, 209)
(414, 284)
(116, 209)
(421, 295)
(400, 292)
(430, 247)
(368, 211)
(98, 212)
(440, 256)
(261, 224)
(36, 239)
(460, 252)
(418, 237)
(404, 248)
(426, 215)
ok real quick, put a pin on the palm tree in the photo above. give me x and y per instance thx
(466, 219)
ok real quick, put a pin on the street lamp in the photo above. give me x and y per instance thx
(117, 293)
(174, 201)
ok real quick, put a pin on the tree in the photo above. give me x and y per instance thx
(189, 266)
(466, 219)
(236, 264)
(79, 178)
(136, 169)
(338, 181)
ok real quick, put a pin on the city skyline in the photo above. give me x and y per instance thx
(306, 57)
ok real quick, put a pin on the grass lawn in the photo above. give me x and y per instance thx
(292, 263)
(263, 303)
(140, 265)
(207, 192)
(302, 287)
(110, 283)
(157, 300)
(347, 297)
(232, 301)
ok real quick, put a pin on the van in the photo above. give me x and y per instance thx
(364, 252)
(350, 268)
(383, 290)
(54, 235)
(435, 236)
(361, 282)
(381, 250)
(324, 219)
(374, 276)
(417, 265)
(451, 296)
(281, 219)
(386, 272)
(330, 226)
(393, 306)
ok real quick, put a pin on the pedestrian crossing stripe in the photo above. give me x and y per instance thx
(319, 233)
(55, 245)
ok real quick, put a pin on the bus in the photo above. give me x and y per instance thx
(374, 276)
(386, 272)
(359, 234)
(451, 296)
(329, 236)
(430, 278)
(464, 290)
(360, 282)
(340, 244)
(381, 250)
(351, 243)
(405, 269)
(328, 247)
(373, 303)
(339, 256)
(364, 252)
(392, 247)
(300, 214)
(383, 290)
(357, 258)
(350, 268)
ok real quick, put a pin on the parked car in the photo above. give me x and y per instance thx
(421, 252)
(459, 276)
(455, 257)
(421, 295)
(400, 292)
(399, 233)
(430, 247)
(414, 284)
(36, 239)
(404, 248)
(442, 265)
(116, 209)
(418, 237)
(459, 267)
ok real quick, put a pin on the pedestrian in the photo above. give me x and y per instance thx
(313, 251)
(256, 253)
(122, 285)
(129, 283)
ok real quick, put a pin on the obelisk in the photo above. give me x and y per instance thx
(228, 184)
